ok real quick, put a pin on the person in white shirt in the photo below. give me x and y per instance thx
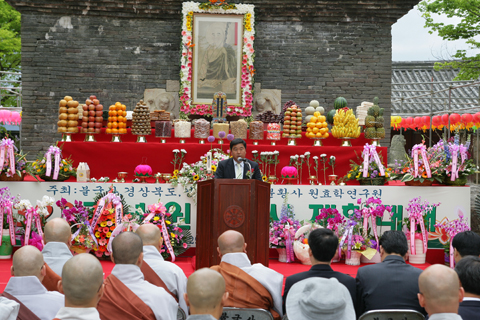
(440, 292)
(57, 238)
(127, 254)
(232, 249)
(82, 285)
(206, 294)
(172, 275)
(28, 271)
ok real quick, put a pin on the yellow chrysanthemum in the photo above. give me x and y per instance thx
(190, 13)
(172, 235)
(167, 222)
(386, 174)
(196, 177)
(156, 218)
(103, 224)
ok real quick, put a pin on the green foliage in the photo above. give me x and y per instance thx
(10, 47)
(467, 29)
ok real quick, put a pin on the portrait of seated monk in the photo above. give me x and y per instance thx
(218, 65)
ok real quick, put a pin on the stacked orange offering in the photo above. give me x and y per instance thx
(117, 121)
(317, 128)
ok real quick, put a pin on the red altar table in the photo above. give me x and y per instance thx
(106, 158)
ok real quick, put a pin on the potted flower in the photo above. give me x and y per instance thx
(416, 228)
(451, 228)
(282, 232)
(52, 167)
(368, 169)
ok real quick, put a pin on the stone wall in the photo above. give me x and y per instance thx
(117, 49)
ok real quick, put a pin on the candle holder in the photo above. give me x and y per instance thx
(332, 178)
(122, 176)
(313, 180)
(67, 137)
(158, 177)
(141, 139)
(272, 179)
(167, 177)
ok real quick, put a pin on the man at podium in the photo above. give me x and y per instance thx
(238, 167)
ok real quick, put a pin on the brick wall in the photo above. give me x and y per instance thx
(116, 49)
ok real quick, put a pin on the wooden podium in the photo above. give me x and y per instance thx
(232, 204)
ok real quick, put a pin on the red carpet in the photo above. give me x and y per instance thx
(287, 269)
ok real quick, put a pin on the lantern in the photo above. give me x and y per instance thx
(454, 118)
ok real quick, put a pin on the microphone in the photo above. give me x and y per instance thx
(242, 159)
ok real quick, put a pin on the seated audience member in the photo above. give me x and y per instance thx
(468, 270)
(248, 286)
(82, 285)
(157, 271)
(466, 243)
(57, 238)
(375, 283)
(319, 298)
(25, 287)
(205, 295)
(127, 295)
(323, 246)
(440, 293)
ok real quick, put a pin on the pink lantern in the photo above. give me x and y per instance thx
(436, 121)
(445, 119)
(467, 118)
(143, 170)
(426, 120)
(289, 172)
(454, 118)
(418, 122)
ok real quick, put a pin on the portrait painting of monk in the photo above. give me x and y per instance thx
(217, 57)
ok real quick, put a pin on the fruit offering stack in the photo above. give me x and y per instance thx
(292, 123)
(317, 128)
(92, 120)
(374, 122)
(141, 120)
(117, 121)
(345, 125)
(67, 115)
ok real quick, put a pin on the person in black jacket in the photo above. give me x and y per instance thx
(238, 167)
(468, 270)
(323, 245)
(392, 284)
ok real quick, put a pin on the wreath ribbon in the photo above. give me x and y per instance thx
(7, 209)
(7, 147)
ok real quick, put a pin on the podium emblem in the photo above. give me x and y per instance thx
(234, 216)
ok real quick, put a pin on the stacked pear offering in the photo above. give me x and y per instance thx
(68, 115)
(374, 122)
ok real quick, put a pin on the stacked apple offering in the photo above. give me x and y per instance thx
(92, 120)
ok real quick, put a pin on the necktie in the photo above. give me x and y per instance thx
(239, 170)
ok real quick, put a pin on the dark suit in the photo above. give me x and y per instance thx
(469, 310)
(392, 284)
(323, 271)
(226, 170)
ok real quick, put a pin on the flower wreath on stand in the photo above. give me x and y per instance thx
(78, 216)
(175, 239)
(282, 232)
(34, 219)
(6, 214)
(107, 216)
(452, 228)
(51, 166)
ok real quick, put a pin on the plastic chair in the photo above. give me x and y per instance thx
(181, 314)
(392, 314)
(245, 313)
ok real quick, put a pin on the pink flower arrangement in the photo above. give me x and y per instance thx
(330, 218)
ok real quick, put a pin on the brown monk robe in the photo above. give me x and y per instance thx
(119, 302)
(151, 276)
(244, 291)
(24, 313)
(50, 281)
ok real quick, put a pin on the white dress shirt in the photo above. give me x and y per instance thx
(270, 279)
(162, 304)
(55, 254)
(8, 309)
(31, 292)
(171, 274)
(78, 314)
(238, 167)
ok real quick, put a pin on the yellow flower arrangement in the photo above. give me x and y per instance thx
(196, 177)
(264, 178)
(214, 168)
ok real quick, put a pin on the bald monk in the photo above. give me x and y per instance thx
(440, 292)
(82, 285)
(25, 287)
(206, 295)
(156, 270)
(248, 286)
(57, 237)
(127, 295)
